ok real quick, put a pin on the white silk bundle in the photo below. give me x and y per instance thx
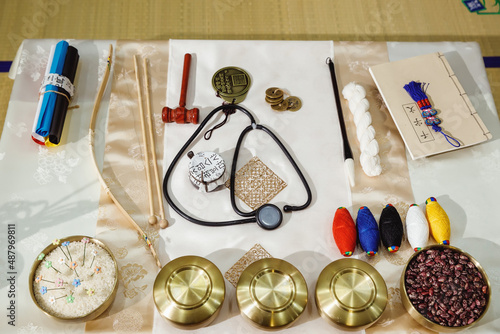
(417, 227)
(355, 94)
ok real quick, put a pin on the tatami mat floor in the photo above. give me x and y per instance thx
(380, 20)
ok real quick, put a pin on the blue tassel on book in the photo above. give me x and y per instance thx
(417, 92)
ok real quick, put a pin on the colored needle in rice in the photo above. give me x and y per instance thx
(73, 266)
(43, 290)
(417, 227)
(391, 228)
(40, 278)
(57, 242)
(368, 233)
(97, 270)
(439, 222)
(48, 264)
(64, 253)
(62, 261)
(66, 244)
(85, 241)
(53, 299)
(344, 231)
(59, 282)
(94, 253)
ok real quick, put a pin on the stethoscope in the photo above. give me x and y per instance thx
(268, 216)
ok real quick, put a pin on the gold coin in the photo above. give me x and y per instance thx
(280, 107)
(274, 92)
(294, 103)
(274, 101)
(276, 96)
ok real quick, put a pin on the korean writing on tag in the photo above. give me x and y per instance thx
(422, 131)
(57, 80)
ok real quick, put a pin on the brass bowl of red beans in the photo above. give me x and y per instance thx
(445, 289)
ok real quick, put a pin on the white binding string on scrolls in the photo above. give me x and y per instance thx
(355, 94)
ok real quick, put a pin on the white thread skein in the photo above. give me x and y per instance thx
(417, 228)
(358, 104)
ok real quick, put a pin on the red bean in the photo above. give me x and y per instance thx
(446, 287)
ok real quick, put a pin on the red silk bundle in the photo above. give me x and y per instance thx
(344, 231)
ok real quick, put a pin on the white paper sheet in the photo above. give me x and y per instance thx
(311, 134)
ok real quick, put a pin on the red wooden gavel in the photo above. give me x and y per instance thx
(181, 114)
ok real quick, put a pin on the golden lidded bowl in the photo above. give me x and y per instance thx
(271, 294)
(189, 292)
(42, 258)
(447, 307)
(350, 294)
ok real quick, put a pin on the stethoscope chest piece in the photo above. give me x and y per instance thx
(269, 216)
(207, 170)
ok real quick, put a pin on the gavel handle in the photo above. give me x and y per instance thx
(185, 79)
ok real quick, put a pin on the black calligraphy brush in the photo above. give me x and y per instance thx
(348, 159)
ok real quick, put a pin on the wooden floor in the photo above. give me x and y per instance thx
(353, 20)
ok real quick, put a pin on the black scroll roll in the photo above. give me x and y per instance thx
(62, 103)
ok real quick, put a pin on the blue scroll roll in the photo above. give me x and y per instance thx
(49, 98)
(62, 102)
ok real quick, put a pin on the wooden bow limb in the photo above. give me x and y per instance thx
(97, 104)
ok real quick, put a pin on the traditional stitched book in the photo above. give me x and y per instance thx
(445, 93)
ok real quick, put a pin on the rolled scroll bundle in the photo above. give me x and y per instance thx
(358, 104)
(55, 94)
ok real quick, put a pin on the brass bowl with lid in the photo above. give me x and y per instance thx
(350, 294)
(189, 292)
(271, 293)
(415, 314)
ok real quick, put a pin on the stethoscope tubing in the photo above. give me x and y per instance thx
(250, 215)
(286, 208)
